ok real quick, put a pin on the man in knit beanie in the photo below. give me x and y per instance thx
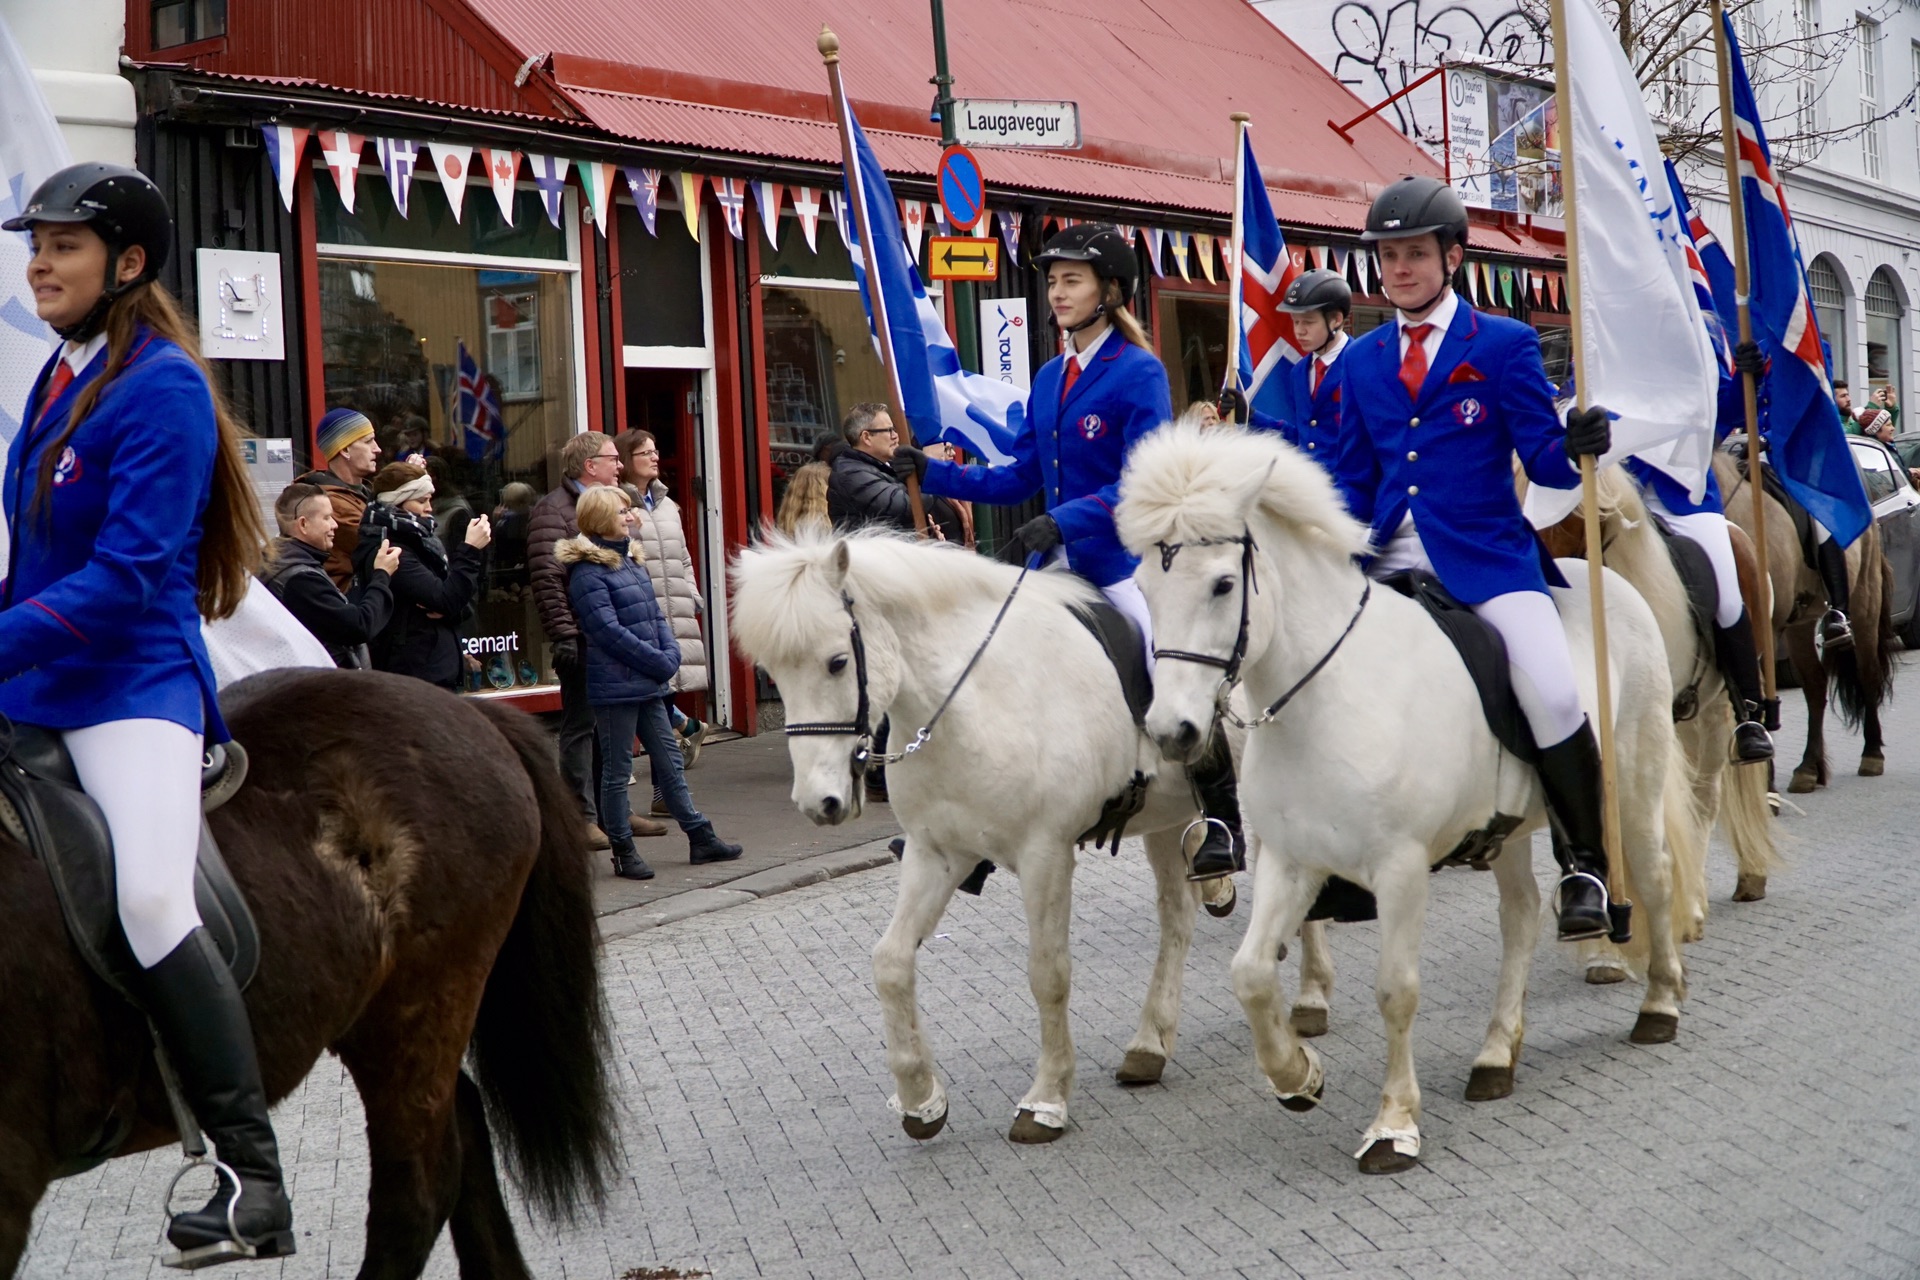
(344, 442)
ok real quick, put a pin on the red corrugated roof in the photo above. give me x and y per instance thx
(1156, 81)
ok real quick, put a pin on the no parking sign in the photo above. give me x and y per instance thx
(963, 189)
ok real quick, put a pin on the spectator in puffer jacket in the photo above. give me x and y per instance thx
(630, 661)
(660, 542)
(433, 586)
(868, 482)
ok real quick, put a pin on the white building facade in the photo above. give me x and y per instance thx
(74, 49)
(1829, 67)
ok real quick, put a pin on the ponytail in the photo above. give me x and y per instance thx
(1123, 319)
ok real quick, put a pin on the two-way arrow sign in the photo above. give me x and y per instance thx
(963, 258)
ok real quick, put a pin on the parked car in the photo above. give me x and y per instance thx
(1896, 511)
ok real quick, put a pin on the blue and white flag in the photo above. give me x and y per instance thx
(1697, 270)
(1647, 357)
(31, 151)
(942, 400)
(1806, 444)
(477, 409)
(550, 178)
(398, 156)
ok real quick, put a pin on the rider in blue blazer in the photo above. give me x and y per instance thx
(1321, 303)
(1436, 404)
(131, 518)
(1087, 408)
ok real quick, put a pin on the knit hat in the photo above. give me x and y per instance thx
(340, 428)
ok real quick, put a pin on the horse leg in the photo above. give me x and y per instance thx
(927, 883)
(1281, 896)
(482, 1230)
(1309, 1017)
(1391, 1143)
(1152, 1042)
(413, 1147)
(1812, 770)
(1873, 756)
(1046, 890)
(1643, 841)
(1492, 1075)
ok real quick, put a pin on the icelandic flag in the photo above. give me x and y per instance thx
(477, 409)
(1259, 286)
(1691, 228)
(1805, 441)
(942, 400)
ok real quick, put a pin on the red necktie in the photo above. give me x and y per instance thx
(1319, 372)
(1413, 365)
(62, 377)
(1073, 376)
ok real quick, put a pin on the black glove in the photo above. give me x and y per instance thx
(1232, 406)
(1589, 431)
(1039, 534)
(566, 656)
(1748, 358)
(913, 456)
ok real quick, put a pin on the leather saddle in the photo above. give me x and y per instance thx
(43, 806)
(1774, 488)
(1483, 652)
(1120, 636)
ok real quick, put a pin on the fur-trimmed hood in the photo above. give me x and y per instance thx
(583, 548)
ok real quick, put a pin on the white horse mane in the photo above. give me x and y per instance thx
(778, 585)
(1186, 482)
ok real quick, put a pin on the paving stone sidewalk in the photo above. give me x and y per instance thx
(1774, 1139)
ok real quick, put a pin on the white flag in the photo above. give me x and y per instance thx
(1648, 358)
(452, 161)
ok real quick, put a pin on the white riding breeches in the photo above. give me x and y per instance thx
(1708, 531)
(1537, 657)
(1125, 595)
(145, 776)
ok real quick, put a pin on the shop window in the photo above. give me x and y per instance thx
(1886, 345)
(820, 362)
(661, 302)
(430, 226)
(185, 21)
(1193, 345)
(1830, 312)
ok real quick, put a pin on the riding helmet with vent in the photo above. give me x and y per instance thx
(1318, 290)
(1100, 245)
(1417, 206)
(124, 209)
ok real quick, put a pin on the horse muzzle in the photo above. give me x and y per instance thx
(1182, 741)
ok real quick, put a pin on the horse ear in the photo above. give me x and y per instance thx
(842, 561)
(1246, 495)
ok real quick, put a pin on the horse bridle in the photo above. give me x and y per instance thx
(1231, 664)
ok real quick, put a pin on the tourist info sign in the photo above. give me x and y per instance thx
(990, 122)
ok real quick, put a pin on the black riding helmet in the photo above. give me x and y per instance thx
(1415, 206)
(1100, 245)
(1318, 290)
(124, 209)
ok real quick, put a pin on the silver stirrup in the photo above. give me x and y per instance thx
(1606, 902)
(233, 1249)
(1203, 822)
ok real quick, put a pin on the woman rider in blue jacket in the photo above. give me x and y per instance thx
(131, 519)
(1087, 408)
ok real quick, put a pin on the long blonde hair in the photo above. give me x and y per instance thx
(234, 536)
(805, 502)
(1123, 319)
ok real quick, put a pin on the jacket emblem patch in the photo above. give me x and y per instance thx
(1469, 411)
(1467, 373)
(1093, 426)
(67, 470)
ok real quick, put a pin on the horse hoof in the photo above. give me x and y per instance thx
(1140, 1067)
(1487, 1084)
(1872, 766)
(1655, 1028)
(1804, 781)
(1602, 973)
(921, 1130)
(1308, 1021)
(1749, 887)
(1221, 910)
(1026, 1129)
(1301, 1103)
(1382, 1158)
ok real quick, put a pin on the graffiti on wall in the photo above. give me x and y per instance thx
(1386, 44)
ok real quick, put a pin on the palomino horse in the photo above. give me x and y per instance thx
(1861, 677)
(414, 864)
(1373, 759)
(1734, 794)
(869, 624)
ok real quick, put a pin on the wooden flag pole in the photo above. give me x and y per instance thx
(1742, 292)
(1238, 243)
(829, 46)
(1589, 475)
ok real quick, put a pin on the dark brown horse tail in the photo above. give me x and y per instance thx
(1857, 688)
(541, 1044)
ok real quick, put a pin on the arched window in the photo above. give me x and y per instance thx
(1830, 310)
(1886, 334)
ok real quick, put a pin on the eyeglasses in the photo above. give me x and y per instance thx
(646, 453)
(883, 431)
(606, 457)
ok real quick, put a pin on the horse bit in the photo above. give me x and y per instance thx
(1230, 665)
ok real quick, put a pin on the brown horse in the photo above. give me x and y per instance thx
(1861, 678)
(414, 864)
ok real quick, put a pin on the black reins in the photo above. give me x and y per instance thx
(1230, 665)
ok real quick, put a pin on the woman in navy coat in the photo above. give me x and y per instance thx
(1087, 408)
(131, 519)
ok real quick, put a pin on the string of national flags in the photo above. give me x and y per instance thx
(1191, 255)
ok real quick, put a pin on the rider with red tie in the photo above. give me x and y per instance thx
(1321, 304)
(1434, 408)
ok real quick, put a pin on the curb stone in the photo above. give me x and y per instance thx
(748, 888)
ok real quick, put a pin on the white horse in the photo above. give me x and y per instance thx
(1036, 739)
(1381, 762)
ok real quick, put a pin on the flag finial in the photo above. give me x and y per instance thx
(1241, 117)
(829, 44)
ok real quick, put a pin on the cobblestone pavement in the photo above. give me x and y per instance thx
(1775, 1138)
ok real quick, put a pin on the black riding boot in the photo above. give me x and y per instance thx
(1570, 774)
(196, 1009)
(1224, 850)
(1835, 632)
(1739, 665)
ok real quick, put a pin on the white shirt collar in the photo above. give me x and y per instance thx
(1332, 350)
(1441, 317)
(1085, 356)
(79, 356)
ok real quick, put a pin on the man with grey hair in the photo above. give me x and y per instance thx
(868, 482)
(587, 461)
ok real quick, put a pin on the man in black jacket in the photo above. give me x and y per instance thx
(868, 482)
(297, 576)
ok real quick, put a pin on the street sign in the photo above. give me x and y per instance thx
(989, 122)
(963, 190)
(963, 258)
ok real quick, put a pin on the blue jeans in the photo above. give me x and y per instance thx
(616, 724)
